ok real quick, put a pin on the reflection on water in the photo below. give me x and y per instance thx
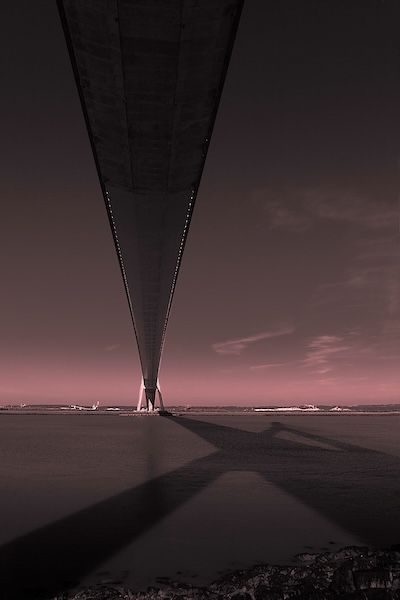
(182, 497)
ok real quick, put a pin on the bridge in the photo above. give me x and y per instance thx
(150, 75)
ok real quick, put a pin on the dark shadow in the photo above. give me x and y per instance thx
(56, 557)
(355, 487)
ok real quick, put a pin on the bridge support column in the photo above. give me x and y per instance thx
(141, 390)
(160, 398)
(150, 395)
(150, 398)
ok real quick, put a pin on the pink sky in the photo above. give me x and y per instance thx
(289, 287)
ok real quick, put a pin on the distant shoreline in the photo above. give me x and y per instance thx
(179, 412)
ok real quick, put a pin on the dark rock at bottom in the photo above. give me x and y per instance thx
(352, 573)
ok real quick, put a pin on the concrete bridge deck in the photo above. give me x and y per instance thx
(150, 75)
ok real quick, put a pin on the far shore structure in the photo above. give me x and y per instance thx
(150, 77)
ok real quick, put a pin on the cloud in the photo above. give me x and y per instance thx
(331, 356)
(370, 281)
(287, 215)
(376, 287)
(381, 249)
(393, 295)
(329, 381)
(297, 210)
(111, 348)
(386, 343)
(382, 257)
(391, 328)
(238, 345)
(321, 351)
(275, 365)
(348, 206)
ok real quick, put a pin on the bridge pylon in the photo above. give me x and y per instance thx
(147, 397)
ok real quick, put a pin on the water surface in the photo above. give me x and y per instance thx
(87, 498)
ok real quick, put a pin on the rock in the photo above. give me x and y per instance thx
(324, 558)
(342, 580)
(353, 573)
(372, 578)
(308, 591)
(306, 557)
(264, 592)
(376, 595)
(396, 583)
(350, 552)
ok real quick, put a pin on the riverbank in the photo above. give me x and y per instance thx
(352, 573)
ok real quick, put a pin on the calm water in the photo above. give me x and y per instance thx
(86, 498)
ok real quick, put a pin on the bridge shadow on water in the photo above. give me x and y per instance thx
(355, 487)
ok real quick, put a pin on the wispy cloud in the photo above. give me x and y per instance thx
(337, 358)
(332, 357)
(111, 348)
(377, 261)
(321, 350)
(393, 295)
(285, 213)
(379, 249)
(345, 205)
(365, 286)
(386, 344)
(328, 381)
(275, 365)
(237, 346)
(297, 210)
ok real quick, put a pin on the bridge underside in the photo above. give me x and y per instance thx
(150, 75)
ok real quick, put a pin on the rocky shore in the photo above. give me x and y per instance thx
(353, 573)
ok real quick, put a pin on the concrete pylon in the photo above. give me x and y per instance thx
(149, 395)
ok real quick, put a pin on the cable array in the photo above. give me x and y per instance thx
(178, 262)
(118, 248)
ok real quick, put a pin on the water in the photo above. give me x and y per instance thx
(91, 498)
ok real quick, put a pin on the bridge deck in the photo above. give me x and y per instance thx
(150, 75)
